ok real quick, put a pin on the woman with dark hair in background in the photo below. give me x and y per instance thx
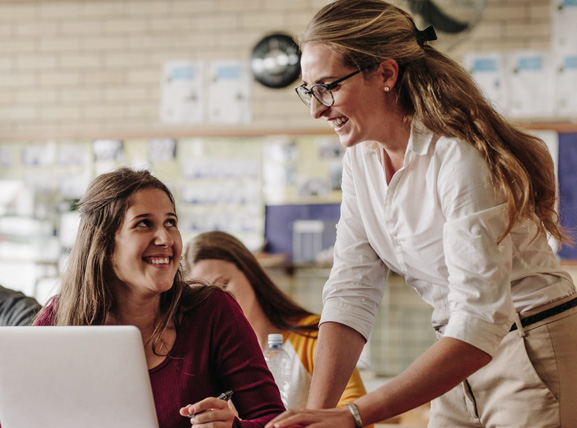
(124, 269)
(222, 259)
(440, 188)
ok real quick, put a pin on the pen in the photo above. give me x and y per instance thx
(225, 396)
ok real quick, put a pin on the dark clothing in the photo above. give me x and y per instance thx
(215, 350)
(16, 308)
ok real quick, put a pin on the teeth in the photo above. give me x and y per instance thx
(160, 261)
(337, 122)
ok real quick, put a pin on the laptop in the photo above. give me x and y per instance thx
(70, 377)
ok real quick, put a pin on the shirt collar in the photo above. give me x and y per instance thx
(419, 140)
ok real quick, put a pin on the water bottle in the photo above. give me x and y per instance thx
(279, 364)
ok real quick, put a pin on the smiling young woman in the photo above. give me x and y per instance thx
(124, 269)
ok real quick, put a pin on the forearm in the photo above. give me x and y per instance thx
(443, 366)
(334, 363)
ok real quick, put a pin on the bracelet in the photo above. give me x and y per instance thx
(356, 416)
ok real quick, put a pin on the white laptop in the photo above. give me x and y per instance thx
(71, 377)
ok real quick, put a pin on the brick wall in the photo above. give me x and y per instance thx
(74, 68)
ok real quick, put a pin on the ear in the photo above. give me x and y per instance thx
(389, 72)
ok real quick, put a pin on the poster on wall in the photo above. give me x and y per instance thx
(564, 17)
(229, 98)
(182, 92)
(530, 77)
(488, 71)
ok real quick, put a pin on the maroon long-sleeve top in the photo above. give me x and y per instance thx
(215, 350)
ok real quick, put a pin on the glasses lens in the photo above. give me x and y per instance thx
(323, 94)
(304, 94)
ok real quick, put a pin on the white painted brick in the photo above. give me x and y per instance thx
(104, 8)
(15, 11)
(18, 113)
(125, 26)
(15, 46)
(104, 43)
(36, 28)
(6, 64)
(504, 12)
(59, 9)
(125, 93)
(80, 94)
(103, 77)
(36, 62)
(143, 76)
(38, 96)
(147, 7)
(17, 80)
(125, 59)
(194, 7)
(266, 21)
(80, 60)
(59, 44)
(58, 79)
(103, 111)
(60, 113)
(172, 23)
(227, 22)
(79, 27)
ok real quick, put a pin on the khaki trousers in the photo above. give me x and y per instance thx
(530, 383)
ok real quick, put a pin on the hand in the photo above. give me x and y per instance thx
(324, 418)
(211, 412)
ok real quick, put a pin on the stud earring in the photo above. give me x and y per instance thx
(387, 89)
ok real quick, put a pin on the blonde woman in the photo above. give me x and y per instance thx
(441, 189)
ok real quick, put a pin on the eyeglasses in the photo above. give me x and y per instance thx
(323, 92)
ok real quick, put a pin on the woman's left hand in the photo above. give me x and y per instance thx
(324, 418)
(211, 411)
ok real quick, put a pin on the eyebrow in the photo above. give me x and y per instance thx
(147, 215)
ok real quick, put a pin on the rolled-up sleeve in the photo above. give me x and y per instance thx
(480, 304)
(355, 286)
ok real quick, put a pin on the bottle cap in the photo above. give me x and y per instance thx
(275, 338)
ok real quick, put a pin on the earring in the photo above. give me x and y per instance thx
(387, 89)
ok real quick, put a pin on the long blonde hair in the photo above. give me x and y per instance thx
(440, 93)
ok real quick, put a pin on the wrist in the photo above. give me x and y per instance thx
(355, 414)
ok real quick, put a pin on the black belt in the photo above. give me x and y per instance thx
(532, 319)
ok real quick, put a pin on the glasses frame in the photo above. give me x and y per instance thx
(302, 91)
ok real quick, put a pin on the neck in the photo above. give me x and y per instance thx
(262, 327)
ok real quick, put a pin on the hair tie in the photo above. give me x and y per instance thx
(426, 35)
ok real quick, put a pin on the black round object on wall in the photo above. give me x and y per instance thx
(275, 61)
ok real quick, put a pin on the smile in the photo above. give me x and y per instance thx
(157, 260)
(335, 123)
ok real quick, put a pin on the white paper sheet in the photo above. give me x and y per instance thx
(229, 92)
(488, 71)
(531, 81)
(182, 92)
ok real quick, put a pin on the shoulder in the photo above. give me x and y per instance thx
(309, 320)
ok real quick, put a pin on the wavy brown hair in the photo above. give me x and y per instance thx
(439, 92)
(279, 308)
(86, 296)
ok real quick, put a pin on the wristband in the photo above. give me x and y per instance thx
(356, 416)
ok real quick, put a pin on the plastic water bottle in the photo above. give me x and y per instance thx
(279, 364)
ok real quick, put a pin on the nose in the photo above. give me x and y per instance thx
(163, 237)
(316, 108)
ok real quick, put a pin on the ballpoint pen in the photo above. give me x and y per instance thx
(225, 396)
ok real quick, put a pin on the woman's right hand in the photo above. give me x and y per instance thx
(211, 411)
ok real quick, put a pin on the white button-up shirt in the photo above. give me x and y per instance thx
(437, 223)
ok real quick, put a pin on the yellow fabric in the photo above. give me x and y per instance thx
(302, 349)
